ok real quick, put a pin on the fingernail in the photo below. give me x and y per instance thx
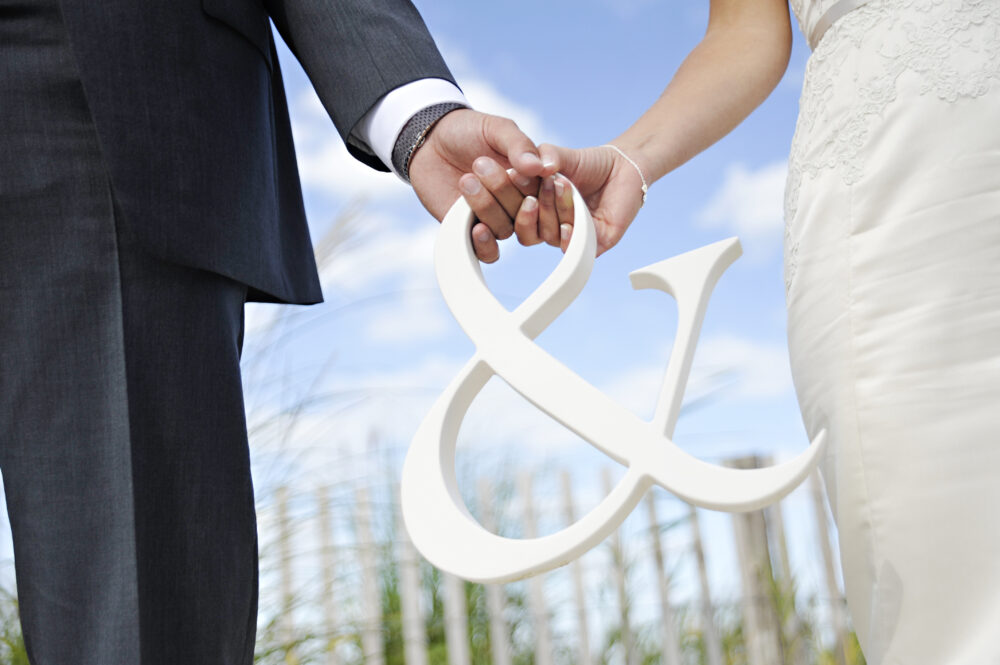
(565, 230)
(484, 166)
(567, 193)
(559, 187)
(548, 161)
(482, 235)
(531, 158)
(530, 203)
(547, 184)
(470, 186)
(521, 181)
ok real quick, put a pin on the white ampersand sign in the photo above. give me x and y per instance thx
(436, 517)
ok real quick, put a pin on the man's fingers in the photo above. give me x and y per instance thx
(504, 136)
(526, 222)
(487, 209)
(548, 219)
(485, 243)
(496, 180)
(527, 186)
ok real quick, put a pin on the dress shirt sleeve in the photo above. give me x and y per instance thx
(380, 126)
(355, 52)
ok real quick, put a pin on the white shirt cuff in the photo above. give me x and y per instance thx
(380, 127)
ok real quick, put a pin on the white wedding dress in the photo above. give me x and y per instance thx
(892, 263)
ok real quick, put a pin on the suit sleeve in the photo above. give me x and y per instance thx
(356, 51)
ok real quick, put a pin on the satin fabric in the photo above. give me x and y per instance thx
(894, 334)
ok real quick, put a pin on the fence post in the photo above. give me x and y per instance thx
(328, 562)
(456, 620)
(713, 645)
(761, 628)
(830, 568)
(414, 622)
(618, 557)
(371, 606)
(536, 590)
(774, 518)
(671, 652)
(576, 570)
(495, 602)
(285, 559)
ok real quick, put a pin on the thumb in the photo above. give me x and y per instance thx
(562, 160)
(505, 137)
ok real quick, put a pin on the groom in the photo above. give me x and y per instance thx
(148, 187)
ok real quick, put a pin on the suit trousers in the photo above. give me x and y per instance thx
(123, 441)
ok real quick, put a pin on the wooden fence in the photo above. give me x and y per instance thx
(343, 572)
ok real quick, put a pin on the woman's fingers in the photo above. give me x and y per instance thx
(548, 218)
(527, 186)
(564, 210)
(526, 222)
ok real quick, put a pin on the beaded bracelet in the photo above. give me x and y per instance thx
(645, 187)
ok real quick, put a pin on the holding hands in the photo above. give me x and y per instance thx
(541, 209)
(465, 140)
(513, 186)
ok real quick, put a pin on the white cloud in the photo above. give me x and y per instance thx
(750, 203)
(637, 388)
(391, 251)
(379, 257)
(412, 317)
(324, 163)
(756, 370)
(362, 405)
(259, 317)
(745, 369)
(484, 96)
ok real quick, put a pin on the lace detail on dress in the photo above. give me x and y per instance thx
(951, 46)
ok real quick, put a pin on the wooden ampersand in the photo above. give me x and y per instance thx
(436, 517)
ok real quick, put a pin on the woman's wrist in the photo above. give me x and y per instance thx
(651, 151)
(644, 182)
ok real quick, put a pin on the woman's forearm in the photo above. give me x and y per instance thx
(732, 70)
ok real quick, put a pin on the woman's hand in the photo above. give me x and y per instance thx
(608, 183)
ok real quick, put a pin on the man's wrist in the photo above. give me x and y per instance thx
(415, 131)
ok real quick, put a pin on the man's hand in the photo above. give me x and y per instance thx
(465, 142)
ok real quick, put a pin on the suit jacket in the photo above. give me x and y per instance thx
(190, 110)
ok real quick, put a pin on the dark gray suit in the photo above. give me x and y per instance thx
(147, 188)
(187, 99)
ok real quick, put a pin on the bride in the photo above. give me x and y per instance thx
(892, 270)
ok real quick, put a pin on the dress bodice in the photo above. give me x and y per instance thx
(808, 13)
(870, 65)
(815, 17)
